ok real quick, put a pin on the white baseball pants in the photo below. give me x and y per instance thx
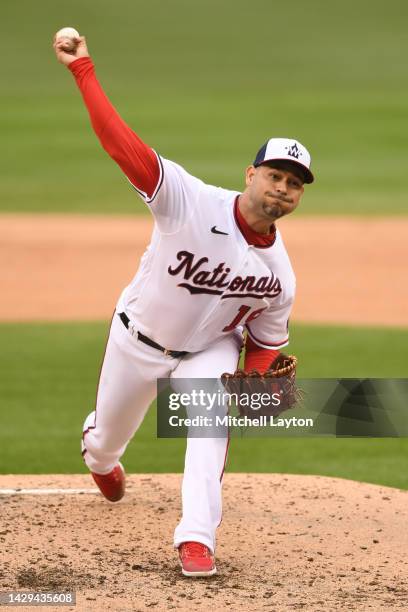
(127, 386)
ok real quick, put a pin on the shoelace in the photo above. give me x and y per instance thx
(196, 549)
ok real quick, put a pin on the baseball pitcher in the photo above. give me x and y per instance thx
(216, 268)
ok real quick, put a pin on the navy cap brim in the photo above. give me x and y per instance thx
(308, 176)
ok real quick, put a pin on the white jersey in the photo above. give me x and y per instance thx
(199, 279)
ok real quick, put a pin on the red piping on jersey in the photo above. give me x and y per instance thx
(262, 241)
(137, 160)
(274, 345)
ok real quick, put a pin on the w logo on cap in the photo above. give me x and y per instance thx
(289, 149)
(294, 151)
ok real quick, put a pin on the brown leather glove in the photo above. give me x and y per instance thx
(278, 382)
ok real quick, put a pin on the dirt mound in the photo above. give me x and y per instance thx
(285, 543)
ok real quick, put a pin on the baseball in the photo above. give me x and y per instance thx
(68, 35)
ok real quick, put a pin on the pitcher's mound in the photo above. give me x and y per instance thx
(285, 543)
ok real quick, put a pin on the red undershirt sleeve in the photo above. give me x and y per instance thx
(257, 358)
(137, 160)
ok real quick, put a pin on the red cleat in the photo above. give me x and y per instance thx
(111, 485)
(196, 559)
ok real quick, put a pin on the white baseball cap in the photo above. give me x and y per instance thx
(285, 149)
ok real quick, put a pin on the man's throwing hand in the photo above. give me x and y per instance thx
(66, 57)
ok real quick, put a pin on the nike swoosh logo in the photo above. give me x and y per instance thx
(215, 231)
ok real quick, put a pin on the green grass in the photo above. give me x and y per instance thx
(48, 375)
(206, 83)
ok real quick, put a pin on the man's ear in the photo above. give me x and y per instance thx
(249, 175)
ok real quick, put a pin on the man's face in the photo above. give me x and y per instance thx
(273, 192)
